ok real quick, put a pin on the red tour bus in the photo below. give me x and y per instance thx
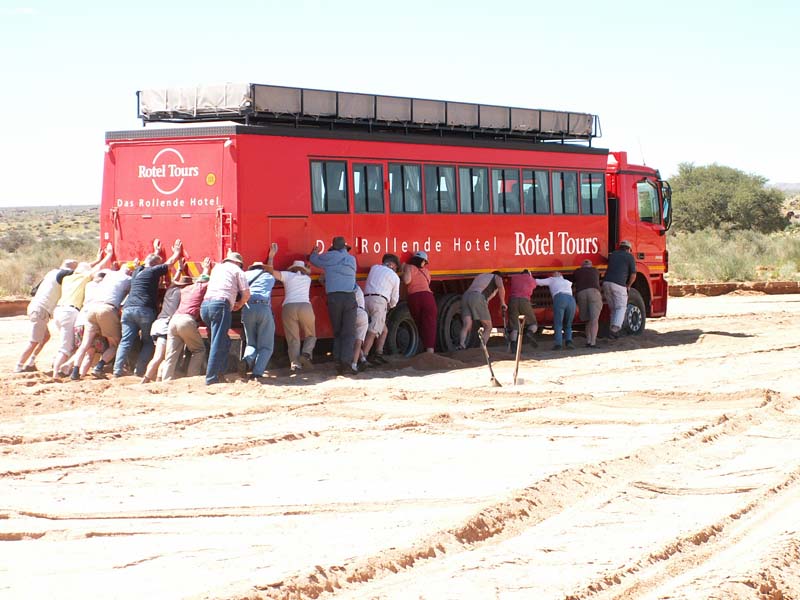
(478, 187)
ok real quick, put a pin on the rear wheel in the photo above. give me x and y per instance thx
(449, 322)
(403, 338)
(635, 315)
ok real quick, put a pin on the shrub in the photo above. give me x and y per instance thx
(716, 256)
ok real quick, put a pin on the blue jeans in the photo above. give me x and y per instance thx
(563, 313)
(217, 315)
(135, 320)
(259, 331)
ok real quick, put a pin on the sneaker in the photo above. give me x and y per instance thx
(19, 369)
(570, 345)
(378, 359)
(29, 368)
(556, 347)
(613, 335)
(350, 370)
(99, 373)
(305, 361)
(362, 364)
(75, 375)
(591, 345)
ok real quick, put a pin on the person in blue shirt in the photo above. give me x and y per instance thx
(340, 279)
(258, 321)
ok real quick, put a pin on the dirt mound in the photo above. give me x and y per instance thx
(434, 362)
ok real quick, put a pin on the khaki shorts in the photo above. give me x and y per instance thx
(520, 306)
(590, 303)
(105, 318)
(39, 318)
(377, 307)
(475, 305)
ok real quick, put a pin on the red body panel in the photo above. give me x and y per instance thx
(244, 191)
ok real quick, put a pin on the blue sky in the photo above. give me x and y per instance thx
(672, 82)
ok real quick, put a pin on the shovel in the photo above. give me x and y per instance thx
(495, 383)
(519, 346)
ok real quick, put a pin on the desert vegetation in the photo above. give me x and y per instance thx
(34, 240)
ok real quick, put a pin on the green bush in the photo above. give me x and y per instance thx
(718, 256)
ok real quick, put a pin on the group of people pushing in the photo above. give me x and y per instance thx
(105, 311)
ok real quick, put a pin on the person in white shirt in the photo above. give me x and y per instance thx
(40, 311)
(381, 293)
(362, 323)
(563, 308)
(297, 314)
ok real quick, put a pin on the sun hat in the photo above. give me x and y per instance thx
(202, 278)
(624, 244)
(586, 263)
(256, 265)
(299, 265)
(183, 280)
(234, 257)
(421, 254)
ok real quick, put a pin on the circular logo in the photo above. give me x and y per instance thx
(211, 179)
(167, 165)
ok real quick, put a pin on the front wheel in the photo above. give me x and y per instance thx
(403, 338)
(635, 315)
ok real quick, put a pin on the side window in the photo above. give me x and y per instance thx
(648, 202)
(368, 188)
(329, 186)
(440, 189)
(536, 191)
(405, 190)
(565, 193)
(593, 193)
(505, 191)
(474, 186)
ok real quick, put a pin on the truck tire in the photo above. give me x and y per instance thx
(403, 339)
(635, 315)
(448, 324)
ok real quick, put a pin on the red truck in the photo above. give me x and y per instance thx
(478, 187)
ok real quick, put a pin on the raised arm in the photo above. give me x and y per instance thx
(270, 267)
(177, 249)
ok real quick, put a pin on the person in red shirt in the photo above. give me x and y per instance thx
(521, 288)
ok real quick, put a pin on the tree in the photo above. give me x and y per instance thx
(720, 197)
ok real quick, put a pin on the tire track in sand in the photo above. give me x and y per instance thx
(525, 509)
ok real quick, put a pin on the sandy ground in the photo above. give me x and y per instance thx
(666, 466)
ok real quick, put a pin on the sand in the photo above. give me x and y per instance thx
(662, 466)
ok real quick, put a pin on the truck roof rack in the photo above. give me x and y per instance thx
(264, 105)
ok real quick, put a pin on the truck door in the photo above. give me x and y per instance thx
(167, 189)
(650, 240)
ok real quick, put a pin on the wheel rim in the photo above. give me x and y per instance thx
(635, 318)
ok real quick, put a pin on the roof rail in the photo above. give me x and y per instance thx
(257, 104)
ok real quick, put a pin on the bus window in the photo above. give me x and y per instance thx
(328, 187)
(368, 188)
(474, 189)
(405, 191)
(505, 191)
(648, 202)
(565, 193)
(440, 189)
(536, 189)
(593, 194)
